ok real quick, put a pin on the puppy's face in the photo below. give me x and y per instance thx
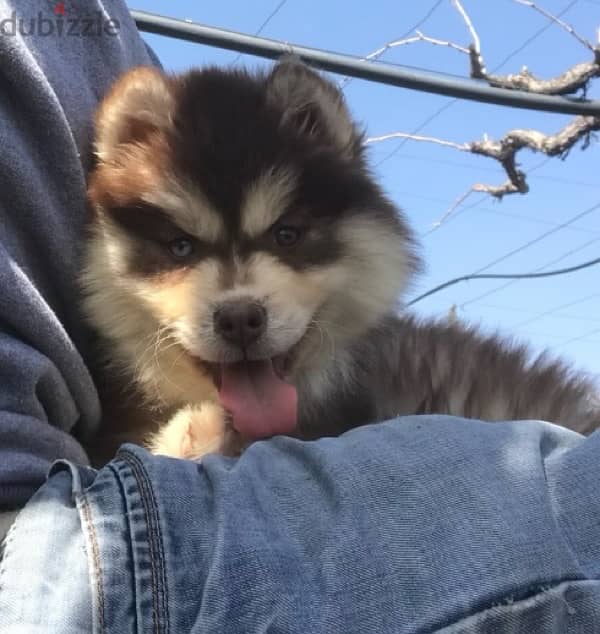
(236, 209)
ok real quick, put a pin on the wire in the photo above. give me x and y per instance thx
(476, 274)
(525, 311)
(449, 104)
(355, 67)
(552, 262)
(539, 238)
(464, 208)
(504, 276)
(552, 311)
(497, 289)
(583, 337)
(263, 25)
(535, 35)
(271, 15)
(346, 80)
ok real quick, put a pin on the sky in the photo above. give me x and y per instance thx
(559, 314)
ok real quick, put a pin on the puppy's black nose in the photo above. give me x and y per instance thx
(240, 322)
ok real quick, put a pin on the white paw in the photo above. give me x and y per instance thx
(194, 431)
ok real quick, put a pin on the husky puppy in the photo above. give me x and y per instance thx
(243, 271)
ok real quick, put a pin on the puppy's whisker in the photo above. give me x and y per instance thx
(324, 334)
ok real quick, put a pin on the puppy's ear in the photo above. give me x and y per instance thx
(140, 103)
(312, 105)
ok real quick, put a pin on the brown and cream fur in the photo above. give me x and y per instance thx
(222, 159)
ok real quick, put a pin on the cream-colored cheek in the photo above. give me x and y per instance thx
(177, 296)
(173, 300)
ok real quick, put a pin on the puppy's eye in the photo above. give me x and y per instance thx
(287, 236)
(181, 248)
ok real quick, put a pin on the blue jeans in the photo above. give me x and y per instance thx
(423, 524)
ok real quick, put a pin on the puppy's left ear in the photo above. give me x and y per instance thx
(312, 105)
(140, 103)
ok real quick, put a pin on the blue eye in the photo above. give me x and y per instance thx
(181, 248)
(287, 236)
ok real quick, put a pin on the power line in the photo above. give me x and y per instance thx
(449, 104)
(497, 289)
(539, 238)
(554, 310)
(513, 309)
(549, 335)
(263, 25)
(503, 276)
(271, 15)
(495, 169)
(583, 337)
(499, 212)
(465, 208)
(535, 36)
(346, 80)
(538, 221)
(355, 67)
(552, 262)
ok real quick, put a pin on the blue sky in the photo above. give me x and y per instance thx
(561, 314)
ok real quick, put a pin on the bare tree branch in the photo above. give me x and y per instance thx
(419, 37)
(557, 20)
(464, 147)
(457, 203)
(505, 150)
(570, 81)
(573, 79)
(438, 42)
(467, 19)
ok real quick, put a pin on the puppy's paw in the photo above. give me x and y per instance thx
(197, 430)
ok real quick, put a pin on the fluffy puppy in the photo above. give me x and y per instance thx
(243, 271)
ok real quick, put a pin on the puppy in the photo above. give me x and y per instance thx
(243, 271)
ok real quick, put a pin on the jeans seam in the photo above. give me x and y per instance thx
(159, 585)
(87, 516)
(4, 548)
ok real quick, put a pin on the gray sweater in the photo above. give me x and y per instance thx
(49, 88)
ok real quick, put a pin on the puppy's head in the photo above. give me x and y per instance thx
(236, 212)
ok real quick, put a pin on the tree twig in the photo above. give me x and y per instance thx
(505, 150)
(567, 27)
(464, 147)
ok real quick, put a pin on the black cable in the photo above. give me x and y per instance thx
(356, 67)
(503, 276)
(535, 36)
(495, 69)
(434, 7)
(266, 21)
(542, 236)
(563, 256)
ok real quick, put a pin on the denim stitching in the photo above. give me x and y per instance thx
(130, 542)
(87, 515)
(155, 591)
(156, 553)
(4, 546)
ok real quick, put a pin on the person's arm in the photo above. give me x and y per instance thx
(50, 84)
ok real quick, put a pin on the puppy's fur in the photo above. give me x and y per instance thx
(227, 162)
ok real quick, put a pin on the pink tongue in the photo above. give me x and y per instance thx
(262, 405)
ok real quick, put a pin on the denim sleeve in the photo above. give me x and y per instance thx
(422, 524)
(56, 61)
